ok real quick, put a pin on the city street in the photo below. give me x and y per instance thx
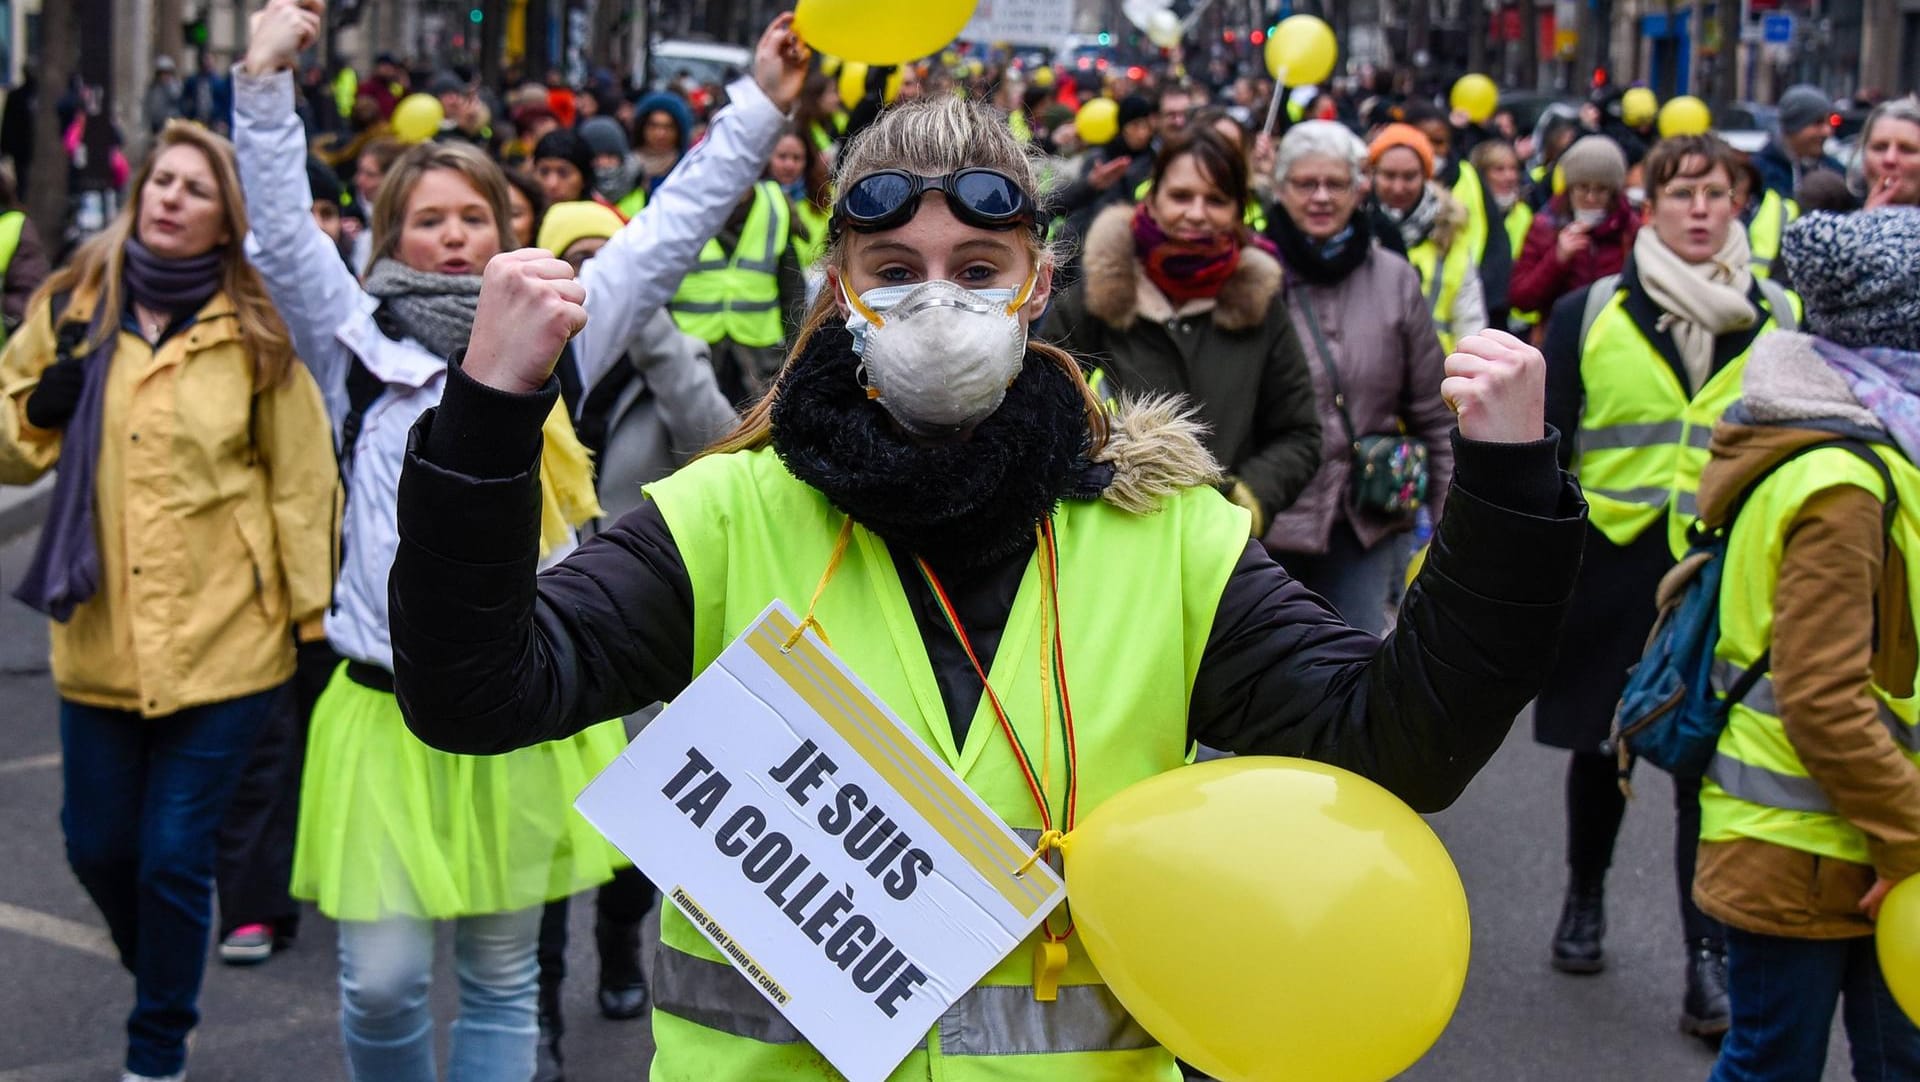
(63, 997)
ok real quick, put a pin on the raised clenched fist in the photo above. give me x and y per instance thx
(1497, 386)
(277, 33)
(530, 305)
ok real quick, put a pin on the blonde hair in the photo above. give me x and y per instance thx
(98, 266)
(473, 165)
(931, 137)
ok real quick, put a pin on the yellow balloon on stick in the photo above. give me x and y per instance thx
(1272, 919)
(1476, 96)
(853, 84)
(416, 118)
(881, 31)
(1638, 106)
(1896, 938)
(1098, 121)
(1685, 115)
(1302, 51)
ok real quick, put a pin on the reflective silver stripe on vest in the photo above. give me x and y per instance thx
(1763, 700)
(701, 308)
(1630, 436)
(715, 995)
(1758, 785)
(1688, 504)
(1700, 437)
(1654, 496)
(1005, 1020)
(772, 261)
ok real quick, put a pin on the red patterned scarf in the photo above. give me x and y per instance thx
(1185, 270)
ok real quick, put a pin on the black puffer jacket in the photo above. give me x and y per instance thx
(488, 657)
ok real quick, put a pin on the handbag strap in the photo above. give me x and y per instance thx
(1333, 373)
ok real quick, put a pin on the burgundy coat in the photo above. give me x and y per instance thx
(1539, 278)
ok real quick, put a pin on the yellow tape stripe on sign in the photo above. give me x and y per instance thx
(878, 740)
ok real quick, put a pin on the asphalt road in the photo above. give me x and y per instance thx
(63, 998)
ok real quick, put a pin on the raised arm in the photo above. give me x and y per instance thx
(312, 288)
(640, 268)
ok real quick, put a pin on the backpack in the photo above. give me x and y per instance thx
(1670, 713)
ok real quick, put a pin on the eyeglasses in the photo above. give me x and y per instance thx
(1681, 193)
(986, 198)
(1306, 186)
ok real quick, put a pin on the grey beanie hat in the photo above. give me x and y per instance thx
(1595, 159)
(1802, 107)
(605, 135)
(1859, 275)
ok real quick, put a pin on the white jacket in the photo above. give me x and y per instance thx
(331, 318)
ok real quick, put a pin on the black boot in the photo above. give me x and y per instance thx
(623, 987)
(1705, 1012)
(547, 1059)
(1583, 921)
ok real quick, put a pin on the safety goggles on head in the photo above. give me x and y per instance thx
(986, 198)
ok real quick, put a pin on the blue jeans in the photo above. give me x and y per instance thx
(143, 803)
(1784, 992)
(386, 967)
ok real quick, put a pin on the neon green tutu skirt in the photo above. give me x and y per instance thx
(389, 826)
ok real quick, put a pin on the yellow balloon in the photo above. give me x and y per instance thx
(1896, 938)
(416, 118)
(1476, 96)
(1638, 106)
(881, 31)
(853, 84)
(1329, 942)
(1098, 121)
(1685, 115)
(1301, 51)
(1043, 78)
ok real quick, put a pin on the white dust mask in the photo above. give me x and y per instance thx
(1590, 218)
(937, 355)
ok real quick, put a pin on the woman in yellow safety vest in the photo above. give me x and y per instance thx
(1640, 366)
(801, 171)
(1432, 226)
(1498, 165)
(917, 457)
(1811, 808)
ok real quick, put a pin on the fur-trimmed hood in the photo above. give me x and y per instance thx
(1156, 447)
(1118, 292)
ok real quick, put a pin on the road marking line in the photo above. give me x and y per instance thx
(36, 762)
(59, 931)
(206, 1040)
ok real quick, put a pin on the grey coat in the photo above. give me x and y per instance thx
(669, 412)
(1381, 335)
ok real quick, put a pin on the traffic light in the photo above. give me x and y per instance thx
(194, 32)
(1106, 38)
(476, 16)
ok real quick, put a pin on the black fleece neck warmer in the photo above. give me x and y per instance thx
(960, 505)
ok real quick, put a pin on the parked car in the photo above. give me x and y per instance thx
(701, 62)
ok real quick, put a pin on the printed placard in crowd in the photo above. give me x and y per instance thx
(828, 853)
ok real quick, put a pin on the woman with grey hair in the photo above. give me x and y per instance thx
(1376, 364)
(1886, 166)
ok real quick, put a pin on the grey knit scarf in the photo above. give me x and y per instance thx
(435, 310)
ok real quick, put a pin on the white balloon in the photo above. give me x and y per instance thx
(1165, 29)
(1141, 12)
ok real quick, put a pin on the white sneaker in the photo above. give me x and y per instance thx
(129, 1076)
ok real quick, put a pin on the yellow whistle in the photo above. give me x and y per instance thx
(1049, 961)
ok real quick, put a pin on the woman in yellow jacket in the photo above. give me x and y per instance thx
(191, 530)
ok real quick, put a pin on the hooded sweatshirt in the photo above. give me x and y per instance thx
(1833, 571)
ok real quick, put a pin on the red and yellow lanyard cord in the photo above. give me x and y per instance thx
(1050, 955)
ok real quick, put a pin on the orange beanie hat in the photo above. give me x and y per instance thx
(1401, 135)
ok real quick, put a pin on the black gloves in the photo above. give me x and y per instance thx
(51, 404)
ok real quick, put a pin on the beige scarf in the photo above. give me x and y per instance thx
(1699, 302)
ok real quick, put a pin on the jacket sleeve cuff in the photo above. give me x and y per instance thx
(1503, 553)
(264, 98)
(746, 96)
(462, 518)
(1523, 477)
(483, 432)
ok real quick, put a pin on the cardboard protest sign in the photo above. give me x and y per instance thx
(831, 856)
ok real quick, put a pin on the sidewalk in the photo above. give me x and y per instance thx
(23, 507)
